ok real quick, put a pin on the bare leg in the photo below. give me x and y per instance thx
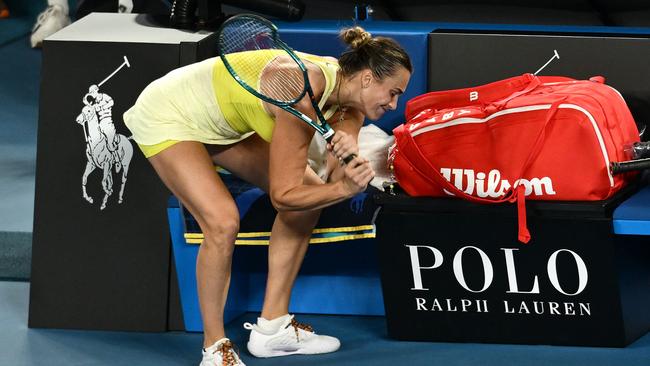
(291, 230)
(289, 241)
(188, 171)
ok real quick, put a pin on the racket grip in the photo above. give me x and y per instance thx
(626, 166)
(349, 158)
(329, 137)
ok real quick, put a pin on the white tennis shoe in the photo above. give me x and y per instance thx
(125, 6)
(50, 21)
(221, 354)
(291, 338)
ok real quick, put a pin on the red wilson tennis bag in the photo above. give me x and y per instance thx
(542, 138)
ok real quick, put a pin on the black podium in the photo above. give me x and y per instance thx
(101, 246)
(454, 271)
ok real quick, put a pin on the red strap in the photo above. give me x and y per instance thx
(534, 83)
(539, 142)
(523, 233)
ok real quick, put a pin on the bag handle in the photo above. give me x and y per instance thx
(534, 83)
(416, 159)
(479, 95)
(484, 94)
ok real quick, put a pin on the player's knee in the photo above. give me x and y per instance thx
(221, 233)
(301, 221)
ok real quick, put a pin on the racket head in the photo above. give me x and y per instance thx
(244, 42)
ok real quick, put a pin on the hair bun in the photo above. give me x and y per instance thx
(355, 37)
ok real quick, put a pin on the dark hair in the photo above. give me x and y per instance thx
(381, 55)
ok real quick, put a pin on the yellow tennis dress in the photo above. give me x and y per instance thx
(203, 102)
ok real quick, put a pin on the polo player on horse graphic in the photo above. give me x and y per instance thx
(104, 147)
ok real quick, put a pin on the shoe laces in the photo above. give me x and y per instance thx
(293, 323)
(229, 355)
(298, 325)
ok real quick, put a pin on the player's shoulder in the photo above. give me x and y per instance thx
(330, 59)
(316, 79)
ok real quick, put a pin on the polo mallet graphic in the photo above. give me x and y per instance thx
(125, 63)
(555, 56)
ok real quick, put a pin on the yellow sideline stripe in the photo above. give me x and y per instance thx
(197, 238)
(311, 241)
(268, 233)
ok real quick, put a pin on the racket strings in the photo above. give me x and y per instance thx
(243, 35)
(246, 35)
(275, 77)
(282, 80)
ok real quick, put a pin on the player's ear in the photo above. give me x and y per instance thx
(366, 78)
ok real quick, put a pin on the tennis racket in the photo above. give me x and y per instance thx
(286, 86)
(630, 165)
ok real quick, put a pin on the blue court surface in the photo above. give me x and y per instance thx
(363, 339)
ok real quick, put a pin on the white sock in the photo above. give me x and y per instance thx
(62, 3)
(272, 326)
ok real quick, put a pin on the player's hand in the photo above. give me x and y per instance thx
(343, 145)
(358, 174)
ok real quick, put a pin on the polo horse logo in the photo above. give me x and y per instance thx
(100, 157)
(105, 149)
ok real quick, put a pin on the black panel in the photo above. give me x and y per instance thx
(591, 316)
(96, 268)
(462, 60)
(633, 257)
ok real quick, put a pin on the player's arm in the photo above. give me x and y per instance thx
(288, 189)
(291, 138)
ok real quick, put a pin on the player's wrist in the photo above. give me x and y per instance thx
(344, 189)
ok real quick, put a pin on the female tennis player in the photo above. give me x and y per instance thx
(198, 116)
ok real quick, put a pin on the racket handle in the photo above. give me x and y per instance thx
(349, 158)
(626, 166)
(328, 137)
